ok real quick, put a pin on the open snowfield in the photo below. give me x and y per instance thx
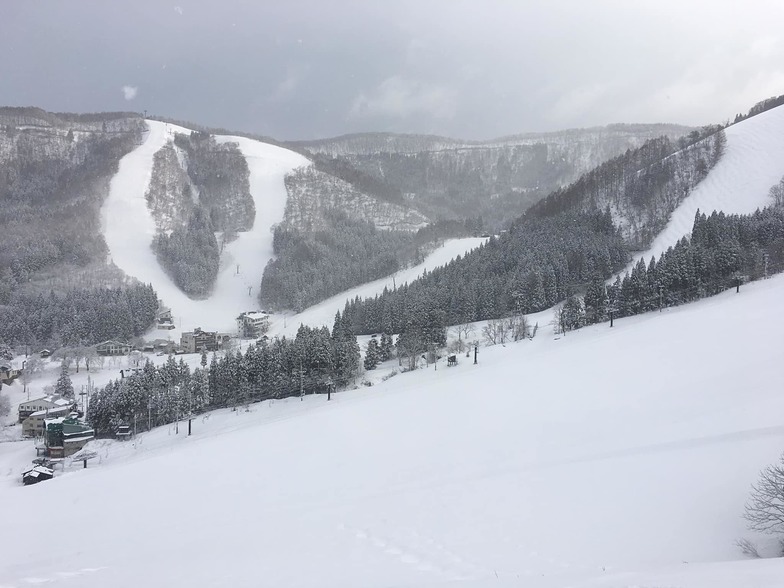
(610, 458)
(129, 228)
(754, 144)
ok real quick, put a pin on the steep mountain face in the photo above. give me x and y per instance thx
(498, 179)
(54, 175)
(312, 194)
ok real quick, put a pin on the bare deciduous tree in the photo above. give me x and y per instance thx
(496, 332)
(517, 326)
(90, 357)
(765, 508)
(748, 548)
(463, 333)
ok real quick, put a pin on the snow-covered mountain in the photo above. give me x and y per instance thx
(629, 468)
(376, 143)
(605, 458)
(129, 228)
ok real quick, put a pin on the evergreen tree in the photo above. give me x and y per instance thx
(386, 347)
(372, 355)
(64, 387)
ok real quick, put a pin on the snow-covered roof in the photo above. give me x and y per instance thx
(80, 439)
(39, 470)
(54, 410)
(52, 399)
(255, 315)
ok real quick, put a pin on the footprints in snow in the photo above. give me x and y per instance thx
(422, 553)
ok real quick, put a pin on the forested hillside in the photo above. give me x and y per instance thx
(190, 254)
(170, 195)
(313, 265)
(55, 287)
(54, 175)
(723, 251)
(313, 193)
(77, 317)
(220, 173)
(565, 249)
(642, 187)
(531, 267)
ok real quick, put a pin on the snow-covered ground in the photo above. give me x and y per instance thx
(608, 458)
(738, 184)
(129, 228)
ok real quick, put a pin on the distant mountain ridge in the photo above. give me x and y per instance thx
(381, 142)
(498, 179)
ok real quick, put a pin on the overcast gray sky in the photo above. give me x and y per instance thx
(474, 69)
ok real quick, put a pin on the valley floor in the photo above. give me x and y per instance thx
(607, 458)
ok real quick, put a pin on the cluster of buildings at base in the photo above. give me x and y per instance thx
(54, 422)
(251, 324)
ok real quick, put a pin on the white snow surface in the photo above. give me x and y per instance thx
(610, 458)
(129, 228)
(739, 183)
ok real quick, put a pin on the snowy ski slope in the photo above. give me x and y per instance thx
(129, 228)
(608, 458)
(738, 184)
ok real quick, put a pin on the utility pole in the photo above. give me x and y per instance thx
(661, 292)
(301, 384)
(476, 352)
